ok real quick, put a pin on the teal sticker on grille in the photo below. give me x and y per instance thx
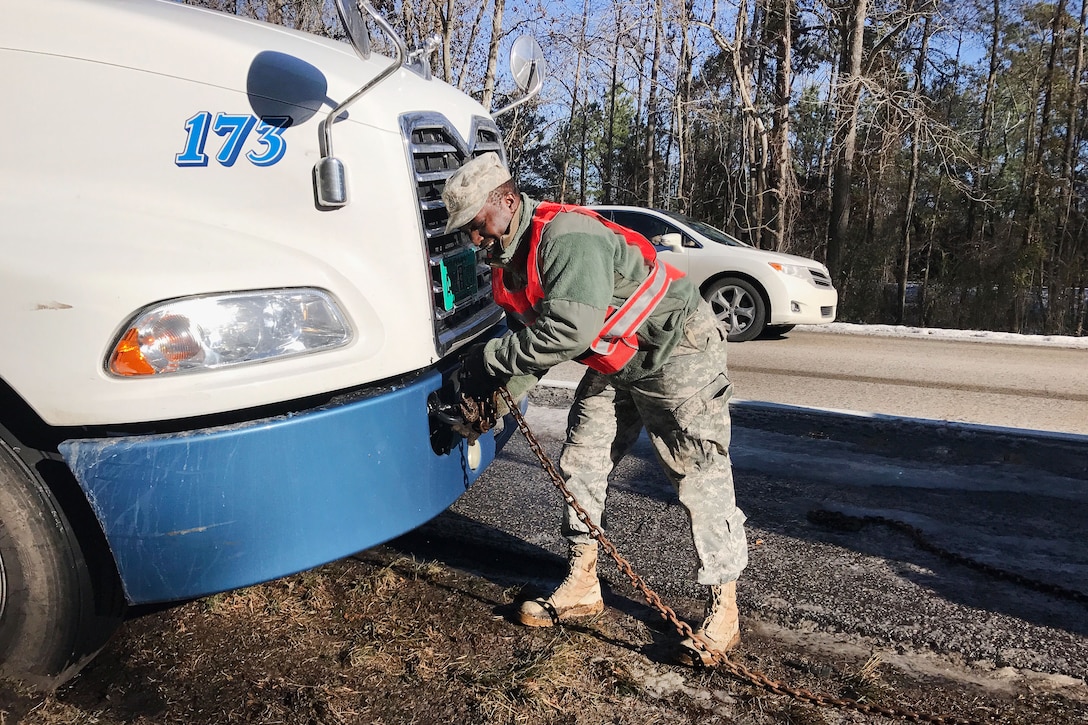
(447, 292)
(458, 277)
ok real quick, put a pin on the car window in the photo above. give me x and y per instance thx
(647, 225)
(712, 233)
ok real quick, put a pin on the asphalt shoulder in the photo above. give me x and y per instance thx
(895, 437)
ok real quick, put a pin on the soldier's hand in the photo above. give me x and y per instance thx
(472, 379)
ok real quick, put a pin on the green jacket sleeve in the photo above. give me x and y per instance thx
(577, 276)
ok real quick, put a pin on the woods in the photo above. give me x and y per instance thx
(932, 153)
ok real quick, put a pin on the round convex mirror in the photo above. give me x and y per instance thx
(355, 25)
(527, 64)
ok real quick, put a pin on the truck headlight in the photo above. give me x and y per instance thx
(217, 331)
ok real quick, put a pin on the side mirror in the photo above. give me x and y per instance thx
(330, 176)
(527, 68)
(355, 25)
(674, 241)
(527, 65)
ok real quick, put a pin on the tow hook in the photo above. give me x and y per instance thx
(444, 418)
(443, 411)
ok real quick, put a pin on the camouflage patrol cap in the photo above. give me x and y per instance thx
(467, 189)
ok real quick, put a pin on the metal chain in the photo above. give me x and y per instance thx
(684, 629)
(464, 464)
(845, 522)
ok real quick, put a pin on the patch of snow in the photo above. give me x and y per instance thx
(1004, 338)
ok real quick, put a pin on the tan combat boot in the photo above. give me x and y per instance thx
(721, 628)
(578, 596)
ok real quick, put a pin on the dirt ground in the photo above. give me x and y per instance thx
(389, 638)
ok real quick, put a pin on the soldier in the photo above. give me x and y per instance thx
(578, 287)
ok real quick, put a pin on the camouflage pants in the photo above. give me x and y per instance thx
(684, 408)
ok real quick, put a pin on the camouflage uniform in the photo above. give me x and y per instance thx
(684, 408)
(676, 384)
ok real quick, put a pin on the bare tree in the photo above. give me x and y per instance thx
(753, 129)
(915, 169)
(1064, 274)
(448, 28)
(608, 168)
(1031, 252)
(574, 104)
(784, 182)
(651, 108)
(681, 103)
(493, 53)
(848, 94)
(980, 184)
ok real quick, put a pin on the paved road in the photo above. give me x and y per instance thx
(1013, 501)
(848, 589)
(1019, 386)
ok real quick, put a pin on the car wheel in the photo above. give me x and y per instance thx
(773, 331)
(739, 305)
(50, 624)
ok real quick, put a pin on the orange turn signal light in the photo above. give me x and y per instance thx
(160, 345)
(127, 359)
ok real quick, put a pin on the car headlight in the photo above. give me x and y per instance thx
(217, 331)
(793, 270)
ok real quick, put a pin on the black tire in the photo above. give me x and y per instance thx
(51, 623)
(771, 332)
(739, 305)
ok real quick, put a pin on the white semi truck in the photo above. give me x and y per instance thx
(229, 307)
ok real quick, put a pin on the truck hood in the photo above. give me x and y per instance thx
(161, 37)
(112, 201)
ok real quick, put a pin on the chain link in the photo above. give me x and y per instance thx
(684, 629)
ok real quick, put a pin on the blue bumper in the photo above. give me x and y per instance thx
(192, 513)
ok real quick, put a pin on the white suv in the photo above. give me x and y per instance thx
(753, 291)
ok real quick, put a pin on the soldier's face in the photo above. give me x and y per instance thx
(493, 221)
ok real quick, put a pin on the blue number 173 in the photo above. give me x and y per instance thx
(235, 128)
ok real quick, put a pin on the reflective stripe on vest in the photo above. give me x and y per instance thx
(616, 343)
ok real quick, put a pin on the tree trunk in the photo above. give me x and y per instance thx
(755, 150)
(565, 170)
(583, 164)
(784, 187)
(275, 11)
(846, 131)
(915, 166)
(683, 96)
(1031, 257)
(607, 166)
(493, 53)
(651, 110)
(462, 73)
(1059, 309)
(446, 18)
(755, 131)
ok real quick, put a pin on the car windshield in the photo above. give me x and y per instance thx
(711, 233)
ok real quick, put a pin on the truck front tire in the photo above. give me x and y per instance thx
(49, 622)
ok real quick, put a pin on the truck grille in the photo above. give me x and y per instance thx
(460, 281)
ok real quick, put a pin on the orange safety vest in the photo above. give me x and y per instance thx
(616, 343)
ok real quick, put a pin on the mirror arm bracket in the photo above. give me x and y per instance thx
(330, 179)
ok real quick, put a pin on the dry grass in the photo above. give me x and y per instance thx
(866, 683)
(389, 639)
